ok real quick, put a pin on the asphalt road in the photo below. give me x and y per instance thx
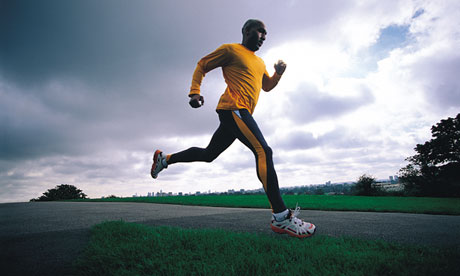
(44, 238)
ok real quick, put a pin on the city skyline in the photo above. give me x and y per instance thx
(392, 179)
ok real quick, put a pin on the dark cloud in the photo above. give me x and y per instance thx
(308, 104)
(439, 76)
(339, 138)
(78, 76)
(298, 140)
(37, 130)
(97, 41)
(343, 138)
(112, 41)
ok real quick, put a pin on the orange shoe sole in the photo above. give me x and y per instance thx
(290, 233)
(155, 158)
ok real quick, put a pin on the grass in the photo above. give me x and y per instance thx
(119, 248)
(425, 205)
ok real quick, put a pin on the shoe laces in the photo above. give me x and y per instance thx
(295, 214)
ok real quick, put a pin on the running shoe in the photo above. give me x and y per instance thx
(293, 226)
(159, 163)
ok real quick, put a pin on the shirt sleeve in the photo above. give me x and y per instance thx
(218, 58)
(268, 83)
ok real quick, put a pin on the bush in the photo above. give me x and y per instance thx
(366, 186)
(61, 192)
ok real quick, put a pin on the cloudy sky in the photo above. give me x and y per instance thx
(89, 89)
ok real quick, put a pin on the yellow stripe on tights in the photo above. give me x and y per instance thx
(262, 159)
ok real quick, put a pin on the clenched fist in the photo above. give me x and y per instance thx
(280, 66)
(196, 101)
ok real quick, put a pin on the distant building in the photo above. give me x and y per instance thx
(389, 186)
(161, 193)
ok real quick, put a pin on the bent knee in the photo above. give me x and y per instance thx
(264, 150)
(209, 157)
(268, 150)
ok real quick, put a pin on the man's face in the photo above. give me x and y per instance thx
(255, 37)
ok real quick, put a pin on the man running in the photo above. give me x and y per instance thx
(245, 74)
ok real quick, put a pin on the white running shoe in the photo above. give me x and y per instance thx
(293, 226)
(159, 163)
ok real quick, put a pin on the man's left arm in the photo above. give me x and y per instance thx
(268, 83)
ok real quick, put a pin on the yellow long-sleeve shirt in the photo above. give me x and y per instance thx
(244, 73)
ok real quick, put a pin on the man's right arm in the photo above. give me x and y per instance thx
(218, 58)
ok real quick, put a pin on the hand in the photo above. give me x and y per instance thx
(196, 101)
(280, 66)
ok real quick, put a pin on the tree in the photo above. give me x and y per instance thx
(365, 186)
(61, 192)
(435, 169)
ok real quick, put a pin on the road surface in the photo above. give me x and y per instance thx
(44, 238)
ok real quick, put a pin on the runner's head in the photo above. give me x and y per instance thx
(253, 34)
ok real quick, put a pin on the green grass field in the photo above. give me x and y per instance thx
(119, 248)
(425, 205)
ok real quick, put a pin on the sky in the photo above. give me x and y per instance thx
(90, 89)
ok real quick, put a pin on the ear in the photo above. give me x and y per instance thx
(245, 34)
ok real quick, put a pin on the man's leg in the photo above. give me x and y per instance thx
(220, 141)
(245, 128)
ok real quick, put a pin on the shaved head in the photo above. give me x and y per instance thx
(250, 24)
